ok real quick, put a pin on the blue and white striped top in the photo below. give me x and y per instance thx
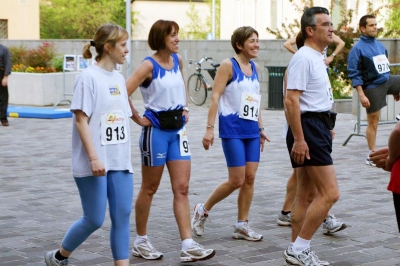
(230, 124)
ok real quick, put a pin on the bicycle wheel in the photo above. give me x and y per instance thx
(197, 89)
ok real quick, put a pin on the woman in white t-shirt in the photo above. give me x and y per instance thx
(101, 148)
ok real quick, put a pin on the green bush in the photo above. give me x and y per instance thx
(41, 56)
(58, 62)
(42, 59)
(17, 53)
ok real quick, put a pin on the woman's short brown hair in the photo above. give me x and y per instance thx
(240, 35)
(158, 32)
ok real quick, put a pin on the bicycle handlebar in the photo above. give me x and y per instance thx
(204, 58)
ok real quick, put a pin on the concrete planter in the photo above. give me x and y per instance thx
(342, 106)
(36, 89)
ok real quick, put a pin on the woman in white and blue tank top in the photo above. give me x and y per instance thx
(236, 95)
(164, 140)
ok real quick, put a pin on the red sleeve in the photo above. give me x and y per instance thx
(394, 183)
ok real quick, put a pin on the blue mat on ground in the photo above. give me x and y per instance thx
(37, 112)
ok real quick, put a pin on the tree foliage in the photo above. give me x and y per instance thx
(196, 29)
(338, 73)
(78, 19)
(392, 24)
(199, 27)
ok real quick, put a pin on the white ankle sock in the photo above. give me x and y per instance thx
(187, 243)
(240, 223)
(140, 239)
(202, 210)
(300, 244)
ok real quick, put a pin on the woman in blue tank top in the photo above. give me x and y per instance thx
(163, 140)
(236, 95)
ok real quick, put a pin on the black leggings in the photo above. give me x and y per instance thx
(396, 201)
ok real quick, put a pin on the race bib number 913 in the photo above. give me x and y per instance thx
(113, 128)
(249, 106)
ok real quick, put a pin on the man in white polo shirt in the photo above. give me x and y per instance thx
(308, 102)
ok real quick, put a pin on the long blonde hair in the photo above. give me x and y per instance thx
(106, 33)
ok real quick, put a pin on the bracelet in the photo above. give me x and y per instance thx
(210, 126)
(333, 54)
(261, 129)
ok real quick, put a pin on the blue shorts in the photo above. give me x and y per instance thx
(158, 146)
(240, 151)
(319, 140)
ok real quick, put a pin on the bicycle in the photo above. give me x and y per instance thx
(197, 84)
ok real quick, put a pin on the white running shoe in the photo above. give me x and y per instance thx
(332, 225)
(50, 259)
(245, 232)
(146, 250)
(369, 162)
(198, 220)
(196, 252)
(284, 220)
(305, 258)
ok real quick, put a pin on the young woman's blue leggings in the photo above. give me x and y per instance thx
(117, 187)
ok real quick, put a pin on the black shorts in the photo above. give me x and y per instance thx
(319, 140)
(377, 95)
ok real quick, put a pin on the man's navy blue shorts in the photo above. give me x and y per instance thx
(319, 140)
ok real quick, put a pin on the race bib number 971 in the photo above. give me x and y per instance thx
(113, 128)
(381, 63)
(249, 106)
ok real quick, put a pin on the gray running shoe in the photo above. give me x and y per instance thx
(284, 220)
(51, 260)
(198, 220)
(305, 258)
(245, 232)
(196, 252)
(369, 162)
(146, 250)
(332, 225)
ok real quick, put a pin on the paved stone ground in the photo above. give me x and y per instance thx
(39, 200)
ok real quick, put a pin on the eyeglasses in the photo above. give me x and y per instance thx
(316, 10)
(325, 24)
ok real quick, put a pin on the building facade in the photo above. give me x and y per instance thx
(262, 14)
(19, 19)
(149, 11)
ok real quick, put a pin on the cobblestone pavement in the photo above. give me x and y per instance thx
(39, 199)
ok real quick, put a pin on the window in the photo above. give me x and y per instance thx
(267, 13)
(275, 14)
(3, 29)
(239, 13)
(170, 0)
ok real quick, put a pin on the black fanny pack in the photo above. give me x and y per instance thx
(329, 118)
(170, 119)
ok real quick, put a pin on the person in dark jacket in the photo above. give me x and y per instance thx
(369, 72)
(5, 71)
